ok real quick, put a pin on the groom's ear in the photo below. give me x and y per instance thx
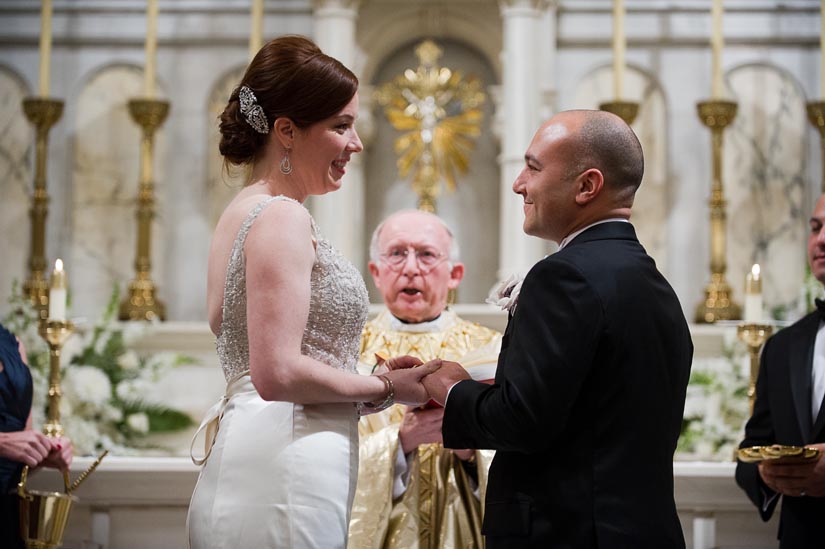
(589, 185)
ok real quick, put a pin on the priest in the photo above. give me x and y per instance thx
(412, 492)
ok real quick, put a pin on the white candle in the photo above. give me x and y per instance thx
(717, 42)
(255, 36)
(57, 292)
(753, 295)
(150, 48)
(45, 45)
(619, 45)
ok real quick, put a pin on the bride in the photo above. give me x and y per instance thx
(281, 455)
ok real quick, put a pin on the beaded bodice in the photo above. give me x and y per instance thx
(337, 309)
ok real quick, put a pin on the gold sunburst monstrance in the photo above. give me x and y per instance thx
(438, 111)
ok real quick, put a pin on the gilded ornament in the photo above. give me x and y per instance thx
(438, 111)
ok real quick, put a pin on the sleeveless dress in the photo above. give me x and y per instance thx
(15, 405)
(279, 474)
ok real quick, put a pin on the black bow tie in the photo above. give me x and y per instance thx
(820, 307)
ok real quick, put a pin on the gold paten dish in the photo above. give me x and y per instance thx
(756, 454)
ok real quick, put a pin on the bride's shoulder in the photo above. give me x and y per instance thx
(266, 210)
(280, 213)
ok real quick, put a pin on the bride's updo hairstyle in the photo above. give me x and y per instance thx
(289, 77)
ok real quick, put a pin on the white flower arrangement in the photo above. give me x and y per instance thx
(107, 388)
(716, 407)
(505, 293)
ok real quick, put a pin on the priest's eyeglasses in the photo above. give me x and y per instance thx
(427, 258)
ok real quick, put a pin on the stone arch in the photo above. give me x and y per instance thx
(16, 179)
(105, 172)
(766, 185)
(221, 184)
(472, 210)
(651, 206)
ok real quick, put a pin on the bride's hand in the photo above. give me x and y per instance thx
(407, 382)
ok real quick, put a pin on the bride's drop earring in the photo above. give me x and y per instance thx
(286, 165)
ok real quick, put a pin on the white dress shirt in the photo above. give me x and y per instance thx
(818, 373)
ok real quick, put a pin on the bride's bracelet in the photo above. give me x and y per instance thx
(388, 400)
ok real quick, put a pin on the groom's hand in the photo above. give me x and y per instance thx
(438, 383)
(406, 377)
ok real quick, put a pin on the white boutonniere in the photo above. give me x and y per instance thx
(505, 294)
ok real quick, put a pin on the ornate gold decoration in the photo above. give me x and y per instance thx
(754, 336)
(626, 110)
(141, 303)
(450, 344)
(438, 110)
(758, 454)
(55, 332)
(816, 114)
(43, 113)
(718, 303)
(44, 515)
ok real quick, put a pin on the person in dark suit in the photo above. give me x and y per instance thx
(790, 409)
(590, 388)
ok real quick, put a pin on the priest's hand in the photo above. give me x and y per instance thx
(796, 479)
(420, 426)
(439, 383)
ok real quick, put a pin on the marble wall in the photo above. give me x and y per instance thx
(104, 185)
(766, 185)
(16, 176)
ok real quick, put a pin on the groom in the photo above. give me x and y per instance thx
(590, 388)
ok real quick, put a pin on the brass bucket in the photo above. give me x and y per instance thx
(43, 515)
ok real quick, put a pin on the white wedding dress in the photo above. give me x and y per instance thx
(278, 474)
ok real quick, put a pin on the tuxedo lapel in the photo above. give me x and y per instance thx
(800, 360)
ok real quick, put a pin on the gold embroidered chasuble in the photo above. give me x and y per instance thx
(439, 507)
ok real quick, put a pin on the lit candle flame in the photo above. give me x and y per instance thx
(58, 265)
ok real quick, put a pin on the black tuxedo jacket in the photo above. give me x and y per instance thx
(587, 403)
(782, 415)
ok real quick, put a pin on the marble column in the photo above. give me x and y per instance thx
(520, 118)
(340, 215)
(548, 12)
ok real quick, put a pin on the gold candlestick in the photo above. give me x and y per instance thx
(141, 303)
(43, 113)
(816, 114)
(754, 335)
(718, 303)
(626, 110)
(55, 332)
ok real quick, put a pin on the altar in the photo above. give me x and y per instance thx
(133, 502)
(137, 502)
